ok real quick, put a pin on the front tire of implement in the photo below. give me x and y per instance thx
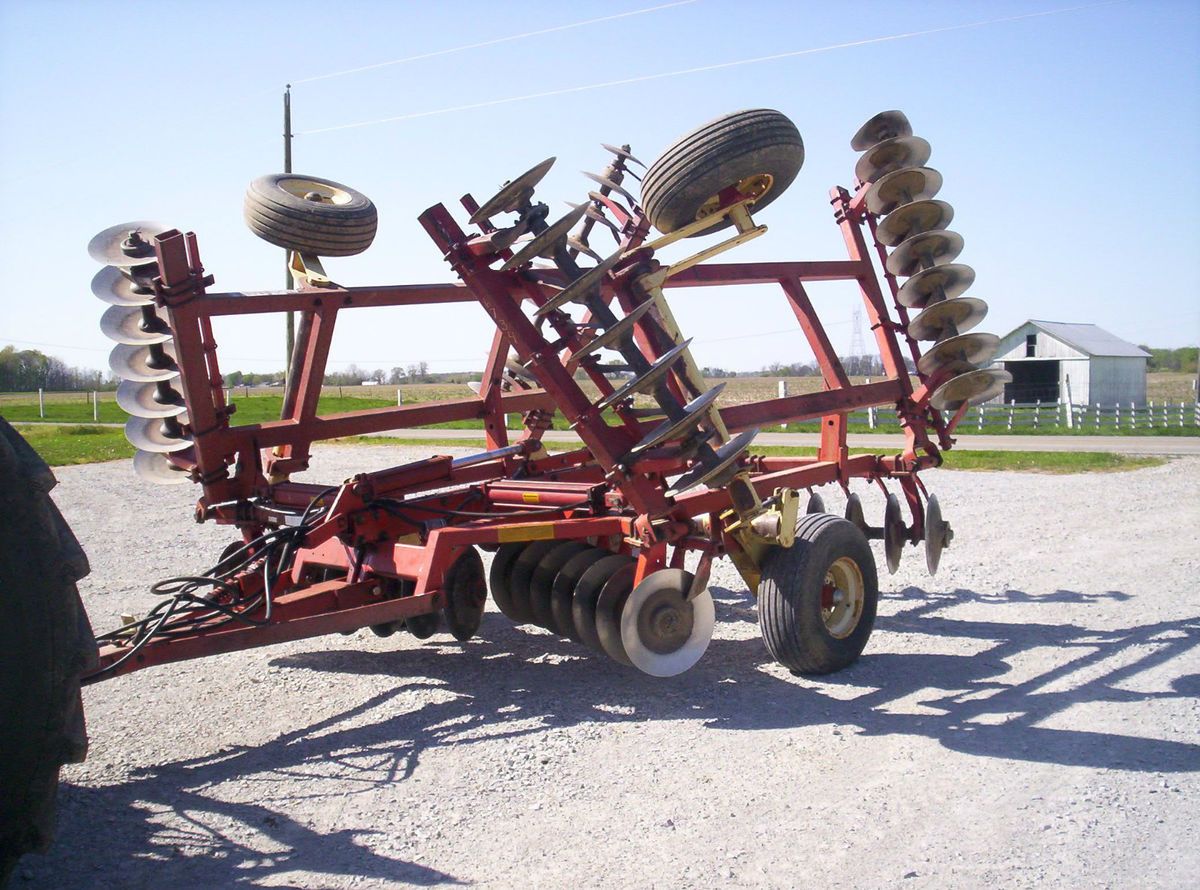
(817, 598)
(311, 215)
(759, 151)
(47, 644)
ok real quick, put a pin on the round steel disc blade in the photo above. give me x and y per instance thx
(611, 336)
(546, 240)
(971, 388)
(910, 219)
(113, 287)
(150, 399)
(521, 577)
(854, 512)
(885, 125)
(653, 620)
(587, 592)
(563, 591)
(949, 280)
(893, 533)
(726, 461)
(126, 244)
(466, 595)
(423, 626)
(541, 585)
(901, 187)
(129, 324)
(153, 466)
(694, 413)
(924, 250)
(141, 363)
(499, 575)
(649, 378)
(621, 153)
(512, 194)
(156, 434)
(935, 534)
(959, 314)
(890, 155)
(973, 349)
(608, 612)
(816, 504)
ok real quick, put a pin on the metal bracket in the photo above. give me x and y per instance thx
(307, 267)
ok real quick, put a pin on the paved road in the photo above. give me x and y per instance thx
(1159, 445)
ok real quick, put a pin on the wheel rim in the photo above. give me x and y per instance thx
(842, 597)
(751, 187)
(317, 192)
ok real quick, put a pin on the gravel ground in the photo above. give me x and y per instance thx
(1029, 717)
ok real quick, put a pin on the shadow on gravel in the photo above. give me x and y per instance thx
(512, 682)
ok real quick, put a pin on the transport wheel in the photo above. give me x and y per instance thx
(817, 598)
(758, 151)
(521, 577)
(562, 594)
(541, 585)
(466, 594)
(310, 215)
(47, 644)
(499, 575)
(587, 593)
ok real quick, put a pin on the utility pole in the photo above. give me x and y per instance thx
(287, 258)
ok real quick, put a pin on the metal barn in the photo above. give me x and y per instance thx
(1052, 361)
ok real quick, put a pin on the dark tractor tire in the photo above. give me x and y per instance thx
(310, 215)
(758, 150)
(817, 598)
(47, 644)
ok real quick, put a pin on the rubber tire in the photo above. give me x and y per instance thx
(289, 221)
(47, 644)
(789, 596)
(715, 156)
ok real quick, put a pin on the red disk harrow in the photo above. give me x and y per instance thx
(592, 543)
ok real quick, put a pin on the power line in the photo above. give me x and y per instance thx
(716, 67)
(494, 42)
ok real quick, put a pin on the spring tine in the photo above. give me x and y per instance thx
(622, 152)
(611, 186)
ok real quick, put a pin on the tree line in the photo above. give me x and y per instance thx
(1183, 359)
(27, 370)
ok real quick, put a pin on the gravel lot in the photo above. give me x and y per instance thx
(1029, 717)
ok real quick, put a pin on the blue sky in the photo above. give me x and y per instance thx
(1069, 145)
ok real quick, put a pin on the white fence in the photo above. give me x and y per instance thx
(1098, 416)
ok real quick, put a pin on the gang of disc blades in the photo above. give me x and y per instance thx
(948, 280)
(959, 314)
(150, 399)
(587, 592)
(128, 324)
(161, 434)
(971, 388)
(563, 590)
(726, 460)
(901, 187)
(925, 249)
(111, 286)
(883, 126)
(651, 635)
(522, 575)
(140, 363)
(541, 584)
(890, 155)
(649, 379)
(893, 533)
(975, 349)
(154, 466)
(545, 241)
(693, 415)
(609, 604)
(909, 219)
(127, 244)
(514, 194)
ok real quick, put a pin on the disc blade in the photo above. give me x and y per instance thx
(563, 590)
(611, 186)
(541, 584)
(909, 219)
(587, 593)
(145, 364)
(945, 281)
(725, 461)
(693, 415)
(885, 125)
(621, 152)
(892, 154)
(150, 399)
(901, 187)
(126, 244)
(521, 578)
(546, 241)
(854, 513)
(654, 619)
(609, 605)
(924, 251)
(816, 504)
(154, 466)
(137, 325)
(893, 534)
(581, 288)
(971, 388)
(111, 286)
(514, 193)
(974, 349)
(613, 335)
(936, 537)
(958, 315)
(157, 434)
(649, 378)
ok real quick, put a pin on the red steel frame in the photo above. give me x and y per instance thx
(245, 470)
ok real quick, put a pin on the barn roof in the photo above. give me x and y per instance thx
(1090, 339)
